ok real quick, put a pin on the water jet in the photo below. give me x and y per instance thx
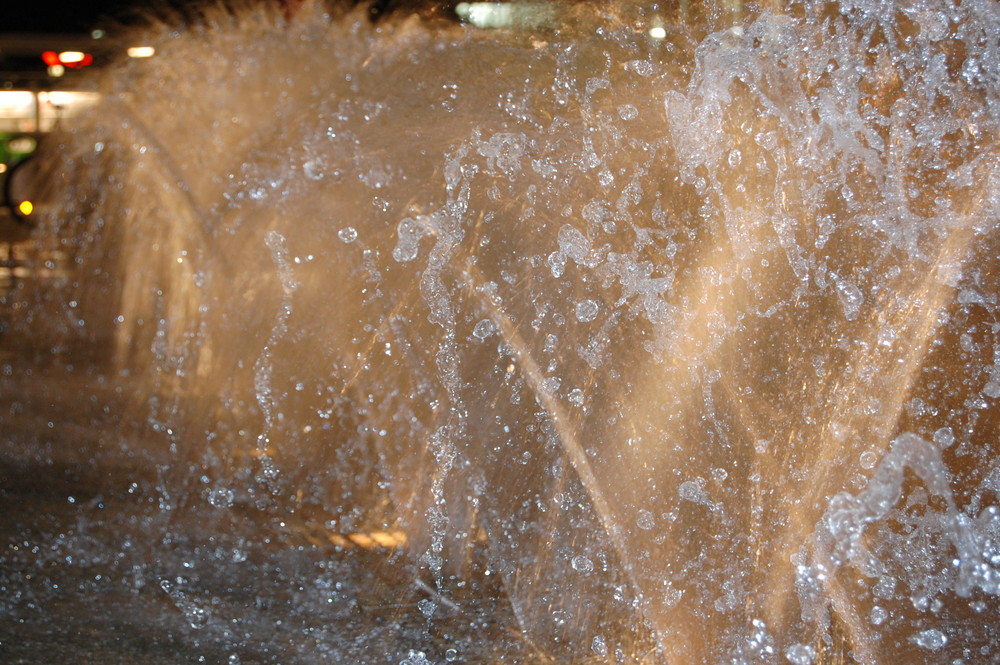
(658, 347)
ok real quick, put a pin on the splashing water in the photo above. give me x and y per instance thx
(688, 337)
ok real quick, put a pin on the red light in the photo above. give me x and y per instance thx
(73, 59)
(82, 62)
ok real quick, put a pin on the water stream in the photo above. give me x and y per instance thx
(660, 333)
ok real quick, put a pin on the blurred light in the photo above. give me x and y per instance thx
(65, 100)
(362, 540)
(141, 51)
(25, 207)
(15, 102)
(485, 14)
(658, 32)
(504, 15)
(71, 57)
(22, 145)
(3, 167)
(57, 98)
(74, 59)
(56, 71)
(97, 34)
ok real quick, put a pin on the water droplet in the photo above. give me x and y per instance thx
(348, 234)
(586, 310)
(197, 617)
(551, 384)
(427, 607)
(645, 520)
(557, 264)
(932, 639)
(483, 329)
(800, 654)
(409, 232)
(415, 657)
(693, 491)
(944, 437)
(627, 112)
(582, 564)
(850, 296)
(221, 497)
(640, 67)
(868, 460)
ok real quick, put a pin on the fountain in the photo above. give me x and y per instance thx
(660, 333)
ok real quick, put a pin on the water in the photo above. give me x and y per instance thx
(671, 346)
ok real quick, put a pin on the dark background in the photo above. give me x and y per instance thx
(23, 16)
(81, 16)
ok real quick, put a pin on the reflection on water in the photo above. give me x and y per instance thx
(666, 339)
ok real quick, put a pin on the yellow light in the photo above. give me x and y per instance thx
(69, 57)
(658, 33)
(3, 167)
(25, 207)
(141, 51)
